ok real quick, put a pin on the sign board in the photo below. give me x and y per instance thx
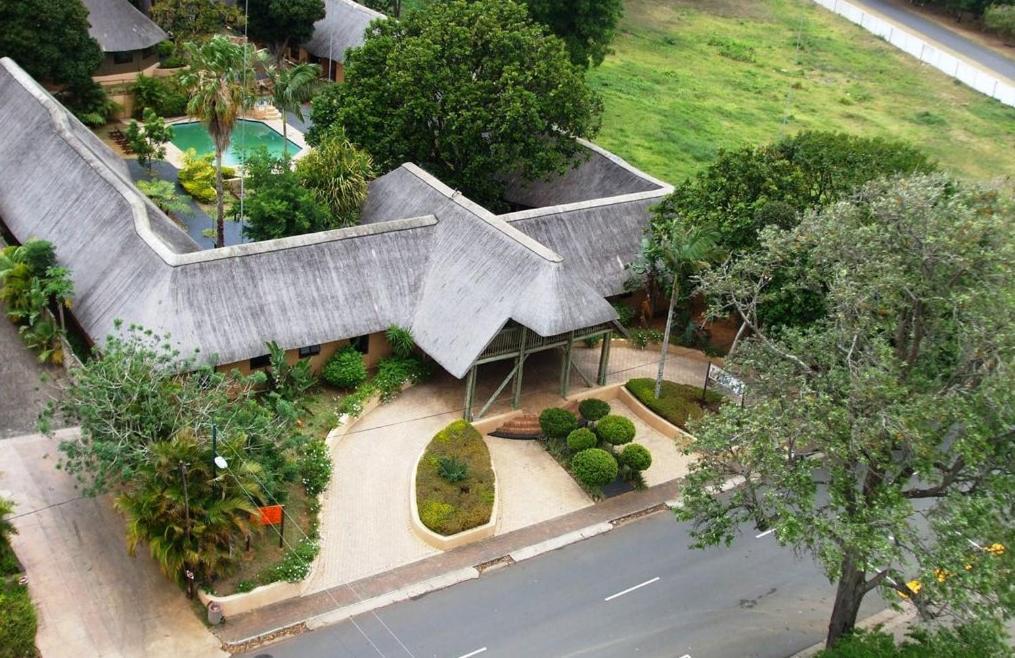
(724, 382)
(271, 515)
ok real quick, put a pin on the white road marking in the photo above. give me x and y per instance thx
(631, 589)
(474, 653)
(767, 532)
(686, 655)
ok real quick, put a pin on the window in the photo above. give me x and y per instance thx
(310, 350)
(361, 344)
(262, 361)
(123, 57)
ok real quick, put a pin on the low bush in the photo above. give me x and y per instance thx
(396, 371)
(197, 176)
(315, 467)
(595, 467)
(636, 457)
(401, 340)
(593, 409)
(642, 337)
(625, 314)
(557, 423)
(978, 638)
(677, 403)
(581, 439)
(164, 96)
(345, 369)
(615, 430)
(17, 622)
(449, 505)
(295, 564)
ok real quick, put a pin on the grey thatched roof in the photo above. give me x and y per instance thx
(344, 26)
(118, 26)
(439, 263)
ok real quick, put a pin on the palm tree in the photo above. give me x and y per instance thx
(680, 248)
(221, 84)
(291, 87)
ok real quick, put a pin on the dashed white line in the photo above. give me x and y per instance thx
(477, 652)
(767, 532)
(686, 655)
(631, 589)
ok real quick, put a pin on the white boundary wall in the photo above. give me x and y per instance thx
(907, 42)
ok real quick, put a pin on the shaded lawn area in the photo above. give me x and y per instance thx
(689, 77)
(677, 403)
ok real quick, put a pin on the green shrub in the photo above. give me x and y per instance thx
(315, 467)
(1001, 18)
(17, 622)
(295, 564)
(396, 371)
(400, 340)
(345, 369)
(581, 439)
(615, 430)
(642, 337)
(594, 467)
(557, 423)
(455, 481)
(625, 314)
(164, 96)
(197, 177)
(677, 403)
(245, 586)
(982, 639)
(593, 409)
(636, 457)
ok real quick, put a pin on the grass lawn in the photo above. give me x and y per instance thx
(677, 403)
(692, 76)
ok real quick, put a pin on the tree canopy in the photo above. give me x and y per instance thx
(277, 205)
(337, 173)
(281, 23)
(472, 92)
(190, 20)
(586, 26)
(50, 40)
(879, 438)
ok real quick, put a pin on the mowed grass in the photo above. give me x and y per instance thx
(690, 77)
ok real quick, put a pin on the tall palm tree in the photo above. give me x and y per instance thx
(221, 83)
(681, 249)
(291, 87)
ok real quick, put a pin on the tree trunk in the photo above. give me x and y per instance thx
(220, 225)
(666, 337)
(848, 596)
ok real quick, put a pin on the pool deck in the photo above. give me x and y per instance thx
(174, 155)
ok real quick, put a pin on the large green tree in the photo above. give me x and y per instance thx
(586, 26)
(193, 20)
(49, 39)
(881, 438)
(338, 174)
(472, 92)
(277, 205)
(291, 87)
(281, 23)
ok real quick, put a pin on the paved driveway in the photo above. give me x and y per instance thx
(93, 599)
(23, 393)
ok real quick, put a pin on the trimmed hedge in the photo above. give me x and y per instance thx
(17, 622)
(636, 457)
(615, 430)
(557, 423)
(677, 403)
(595, 467)
(448, 507)
(345, 369)
(581, 439)
(593, 409)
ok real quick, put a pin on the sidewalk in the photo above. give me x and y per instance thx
(248, 631)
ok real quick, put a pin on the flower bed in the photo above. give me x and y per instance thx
(455, 481)
(677, 403)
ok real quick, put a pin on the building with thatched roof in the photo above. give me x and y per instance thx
(344, 26)
(472, 286)
(127, 37)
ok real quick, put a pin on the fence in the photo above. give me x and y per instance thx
(907, 42)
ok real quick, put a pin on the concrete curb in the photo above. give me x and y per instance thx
(560, 542)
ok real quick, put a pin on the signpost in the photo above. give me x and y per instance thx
(725, 383)
(274, 515)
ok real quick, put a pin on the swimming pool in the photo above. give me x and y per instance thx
(247, 135)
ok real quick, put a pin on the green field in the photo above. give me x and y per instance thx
(692, 76)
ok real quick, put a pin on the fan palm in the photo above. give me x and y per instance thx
(222, 86)
(680, 248)
(291, 87)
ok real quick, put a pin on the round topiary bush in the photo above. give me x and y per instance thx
(616, 430)
(581, 439)
(593, 409)
(636, 457)
(595, 467)
(557, 423)
(345, 369)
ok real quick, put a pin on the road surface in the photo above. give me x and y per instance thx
(636, 591)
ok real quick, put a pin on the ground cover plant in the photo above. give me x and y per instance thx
(677, 403)
(810, 70)
(17, 621)
(455, 480)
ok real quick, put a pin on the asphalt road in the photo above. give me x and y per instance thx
(987, 58)
(636, 591)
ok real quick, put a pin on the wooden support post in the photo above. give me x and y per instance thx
(604, 358)
(516, 389)
(470, 392)
(565, 366)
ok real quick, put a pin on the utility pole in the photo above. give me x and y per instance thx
(186, 511)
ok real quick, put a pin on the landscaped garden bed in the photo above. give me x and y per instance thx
(677, 403)
(455, 482)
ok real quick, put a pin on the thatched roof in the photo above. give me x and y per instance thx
(438, 263)
(344, 26)
(118, 26)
